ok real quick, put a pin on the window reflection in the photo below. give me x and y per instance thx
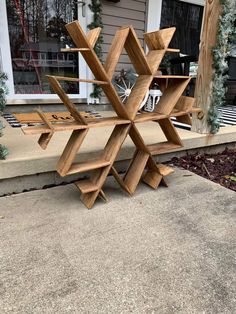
(37, 33)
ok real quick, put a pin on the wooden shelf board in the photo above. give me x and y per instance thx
(159, 148)
(195, 109)
(75, 79)
(154, 58)
(177, 113)
(171, 96)
(181, 113)
(135, 170)
(119, 180)
(68, 126)
(137, 95)
(88, 165)
(172, 77)
(73, 49)
(164, 170)
(149, 116)
(123, 125)
(86, 186)
(172, 50)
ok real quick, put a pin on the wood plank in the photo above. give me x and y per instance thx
(89, 198)
(66, 100)
(75, 79)
(154, 58)
(69, 126)
(136, 54)
(115, 101)
(165, 170)
(137, 139)
(96, 67)
(93, 35)
(88, 165)
(170, 131)
(102, 195)
(172, 50)
(184, 119)
(86, 186)
(159, 40)
(111, 150)
(171, 77)
(149, 116)
(80, 39)
(212, 11)
(185, 103)
(152, 178)
(115, 141)
(115, 51)
(196, 110)
(137, 95)
(160, 148)
(74, 49)
(119, 180)
(45, 138)
(171, 95)
(135, 171)
(155, 172)
(75, 141)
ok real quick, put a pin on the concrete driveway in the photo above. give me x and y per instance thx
(165, 251)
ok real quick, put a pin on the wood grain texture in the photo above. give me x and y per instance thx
(171, 103)
(203, 88)
(45, 138)
(115, 51)
(75, 141)
(66, 100)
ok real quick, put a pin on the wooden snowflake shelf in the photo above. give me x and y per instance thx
(172, 103)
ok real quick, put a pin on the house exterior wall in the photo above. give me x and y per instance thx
(143, 15)
(115, 15)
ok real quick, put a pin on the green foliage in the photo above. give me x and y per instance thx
(226, 30)
(96, 8)
(3, 152)
(3, 93)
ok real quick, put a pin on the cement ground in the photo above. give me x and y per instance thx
(165, 251)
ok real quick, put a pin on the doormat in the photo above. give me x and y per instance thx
(17, 120)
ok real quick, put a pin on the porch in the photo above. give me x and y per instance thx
(29, 167)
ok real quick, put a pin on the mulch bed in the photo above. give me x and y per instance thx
(220, 167)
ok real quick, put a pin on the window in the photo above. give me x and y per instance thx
(30, 49)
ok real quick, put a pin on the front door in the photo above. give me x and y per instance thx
(32, 34)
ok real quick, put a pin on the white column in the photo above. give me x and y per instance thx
(154, 15)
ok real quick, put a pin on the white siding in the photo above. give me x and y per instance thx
(115, 15)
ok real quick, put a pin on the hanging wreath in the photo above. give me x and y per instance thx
(226, 30)
(3, 93)
(96, 8)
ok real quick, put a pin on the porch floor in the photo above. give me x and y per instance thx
(27, 158)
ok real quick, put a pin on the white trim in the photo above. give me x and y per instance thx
(5, 51)
(197, 2)
(6, 65)
(90, 76)
(154, 15)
